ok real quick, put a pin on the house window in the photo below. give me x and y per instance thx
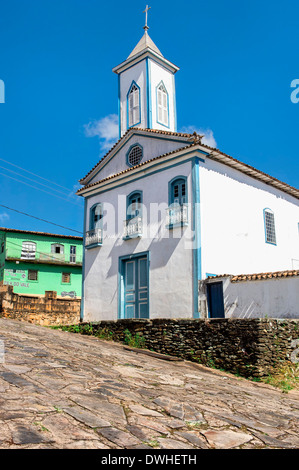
(66, 278)
(96, 215)
(270, 235)
(73, 254)
(134, 203)
(28, 250)
(2, 247)
(134, 105)
(134, 155)
(32, 275)
(57, 248)
(177, 212)
(162, 104)
(133, 222)
(178, 191)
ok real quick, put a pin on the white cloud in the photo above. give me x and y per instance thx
(106, 129)
(3, 217)
(208, 138)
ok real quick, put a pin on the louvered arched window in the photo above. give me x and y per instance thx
(134, 105)
(162, 105)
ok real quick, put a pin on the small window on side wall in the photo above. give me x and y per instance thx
(32, 275)
(66, 278)
(270, 233)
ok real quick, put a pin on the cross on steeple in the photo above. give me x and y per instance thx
(145, 27)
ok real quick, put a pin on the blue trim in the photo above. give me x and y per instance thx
(145, 176)
(135, 123)
(264, 212)
(120, 289)
(91, 227)
(148, 94)
(94, 245)
(157, 110)
(142, 136)
(119, 116)
(165, 66)
(196, 227)
(83, 262)
(170, 186)
(133, 193)
(174, 105)
(136, 144)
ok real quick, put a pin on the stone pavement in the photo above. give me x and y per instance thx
(67, 391)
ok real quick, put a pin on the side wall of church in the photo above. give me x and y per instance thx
(233, 228)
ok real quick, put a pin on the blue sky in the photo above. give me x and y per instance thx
(237, 60)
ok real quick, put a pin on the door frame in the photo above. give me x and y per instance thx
(121, 261)
(209, 287)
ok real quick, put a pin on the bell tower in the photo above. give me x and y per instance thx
(146, 88)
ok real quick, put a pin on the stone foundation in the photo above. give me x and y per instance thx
(249, 347)
(47, 310)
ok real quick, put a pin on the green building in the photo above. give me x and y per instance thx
(35, 262)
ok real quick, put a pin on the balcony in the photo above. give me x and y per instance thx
(94, 237)
(177, 215)
(47, 258)
(133, 228)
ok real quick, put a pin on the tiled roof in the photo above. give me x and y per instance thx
(259, 276)
(215, 154)
(263, 276)
(14, 230)
(134, 129)
(127, 170)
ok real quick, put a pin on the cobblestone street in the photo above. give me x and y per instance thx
(65, 391)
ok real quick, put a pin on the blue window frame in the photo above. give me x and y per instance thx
(96, 216)
(178, 193)
(133, 105)
(269, 222)
(134, 205)
(162, 101)
(177, 212)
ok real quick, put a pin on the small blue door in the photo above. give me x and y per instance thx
(215, 300)
(135, 287)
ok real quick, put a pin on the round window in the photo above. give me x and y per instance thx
(135, 155)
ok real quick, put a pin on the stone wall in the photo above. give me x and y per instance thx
(46, 310)
(249, 347)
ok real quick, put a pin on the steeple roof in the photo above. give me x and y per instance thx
(145, 44)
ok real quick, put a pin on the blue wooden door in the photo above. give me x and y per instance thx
(135, 282)
(215, 300)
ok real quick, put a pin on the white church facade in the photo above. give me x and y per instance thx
(164, 211)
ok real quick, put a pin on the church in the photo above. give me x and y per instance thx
(164, 211)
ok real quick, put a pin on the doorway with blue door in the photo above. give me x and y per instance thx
(134, 286)
(215, 300)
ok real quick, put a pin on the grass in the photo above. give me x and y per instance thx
(286, 377)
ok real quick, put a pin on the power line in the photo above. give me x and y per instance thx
(34, 181)
(42, 220)
(34, 174)
(39, 189)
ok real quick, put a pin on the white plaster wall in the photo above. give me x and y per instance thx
(232, 223)
(170, 282)
(138, 74)
(272, 298)
(152, 147)
(158, 73)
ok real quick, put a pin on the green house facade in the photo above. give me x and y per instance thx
(35, 262)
